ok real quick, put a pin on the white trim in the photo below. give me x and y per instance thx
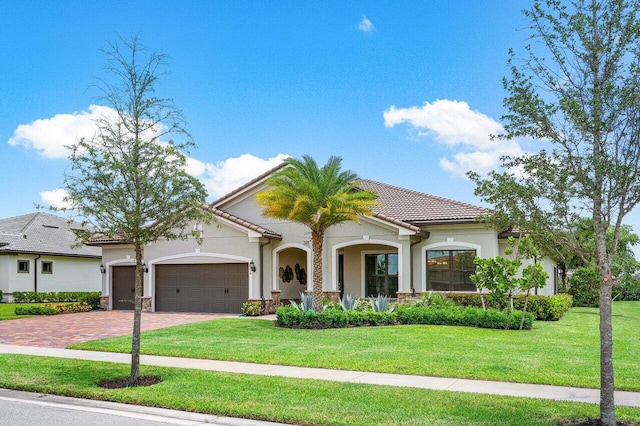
(275, 258)
(450, 244)
(109, 278)
(197, 253)
(363, 241)
(402, 231)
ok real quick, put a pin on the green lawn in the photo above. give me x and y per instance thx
(7, 310)
(308, 402)
(565, 352)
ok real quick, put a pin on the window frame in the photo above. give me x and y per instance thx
(42, 267)
(24, 262)
(451, 271)
(386, 275)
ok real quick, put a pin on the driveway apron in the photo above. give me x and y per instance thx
(59, 331)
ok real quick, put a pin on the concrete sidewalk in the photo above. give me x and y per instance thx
(559, 393)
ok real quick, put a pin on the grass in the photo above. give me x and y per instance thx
(306, 402)
(565, 352)
(7, 310)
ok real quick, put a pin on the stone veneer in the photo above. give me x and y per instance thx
(146, 303)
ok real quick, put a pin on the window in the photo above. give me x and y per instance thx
(381, 274)
(23, 266)
(449, 270)
(47, 267)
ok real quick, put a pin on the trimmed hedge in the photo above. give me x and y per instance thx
(464, 316)
(544, 308)
(35, 310)
(91, 297)
(53, 309)
(288, 316)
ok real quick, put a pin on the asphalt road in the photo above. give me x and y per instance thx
(32, 409)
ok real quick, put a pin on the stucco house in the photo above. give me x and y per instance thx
(413, 243)
(38, 253)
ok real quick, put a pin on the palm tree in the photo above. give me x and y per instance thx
(317, 197)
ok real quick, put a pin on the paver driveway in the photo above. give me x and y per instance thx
(59, 331)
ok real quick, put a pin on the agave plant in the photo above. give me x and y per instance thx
(349, 302)
(306, 303)
(381, 303)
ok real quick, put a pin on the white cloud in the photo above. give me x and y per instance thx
(56, 198)
(225, 176)
(50, 136)
(365, 25)
(455, 125)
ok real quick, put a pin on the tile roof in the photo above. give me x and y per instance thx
(416, 207)
(42, 233)
(246, 224)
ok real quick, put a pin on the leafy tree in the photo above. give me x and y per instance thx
(496, 274)
(576, 91)
(317, 197)
(128, 181)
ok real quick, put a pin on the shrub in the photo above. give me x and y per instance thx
(460, 316)
(68, 308)
(438, 300)
(288, 316)
(35, 310)
(544, 308)
(584, 286)
(628, 290)
(92, 298)
(251, 309)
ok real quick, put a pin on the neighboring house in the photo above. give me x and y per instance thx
(38, 253)
(413, 243)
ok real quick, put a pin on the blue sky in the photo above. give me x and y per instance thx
(406, 92)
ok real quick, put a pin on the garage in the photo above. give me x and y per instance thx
(124, 287)
(218, 287)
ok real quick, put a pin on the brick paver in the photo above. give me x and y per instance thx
(59, 331)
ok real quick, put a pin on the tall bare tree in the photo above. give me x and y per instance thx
(128, 182)
(577, 89)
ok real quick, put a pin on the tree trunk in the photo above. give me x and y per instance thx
(607, 405)
(317, 242)
(524, 309)
(137, 316)
(607, 388)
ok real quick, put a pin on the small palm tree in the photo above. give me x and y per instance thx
(317, 197)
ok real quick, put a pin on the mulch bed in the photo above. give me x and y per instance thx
(593, 422)
(123, 382)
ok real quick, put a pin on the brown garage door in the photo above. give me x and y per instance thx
(220, 287)
(123, 288)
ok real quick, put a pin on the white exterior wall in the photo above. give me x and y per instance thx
(69, 274)
(473, 236)
(547, 264)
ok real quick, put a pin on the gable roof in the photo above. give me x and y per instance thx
(416, 207)
(247, 185)
(264, 232)
(42, 233)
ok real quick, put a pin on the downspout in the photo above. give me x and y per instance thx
(262, 301)
(35, 273)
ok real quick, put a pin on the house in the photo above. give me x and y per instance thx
(38, 253)
(413, 243)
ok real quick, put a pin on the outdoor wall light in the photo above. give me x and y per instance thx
(145, 268)
(102, 269)
(252, 266)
